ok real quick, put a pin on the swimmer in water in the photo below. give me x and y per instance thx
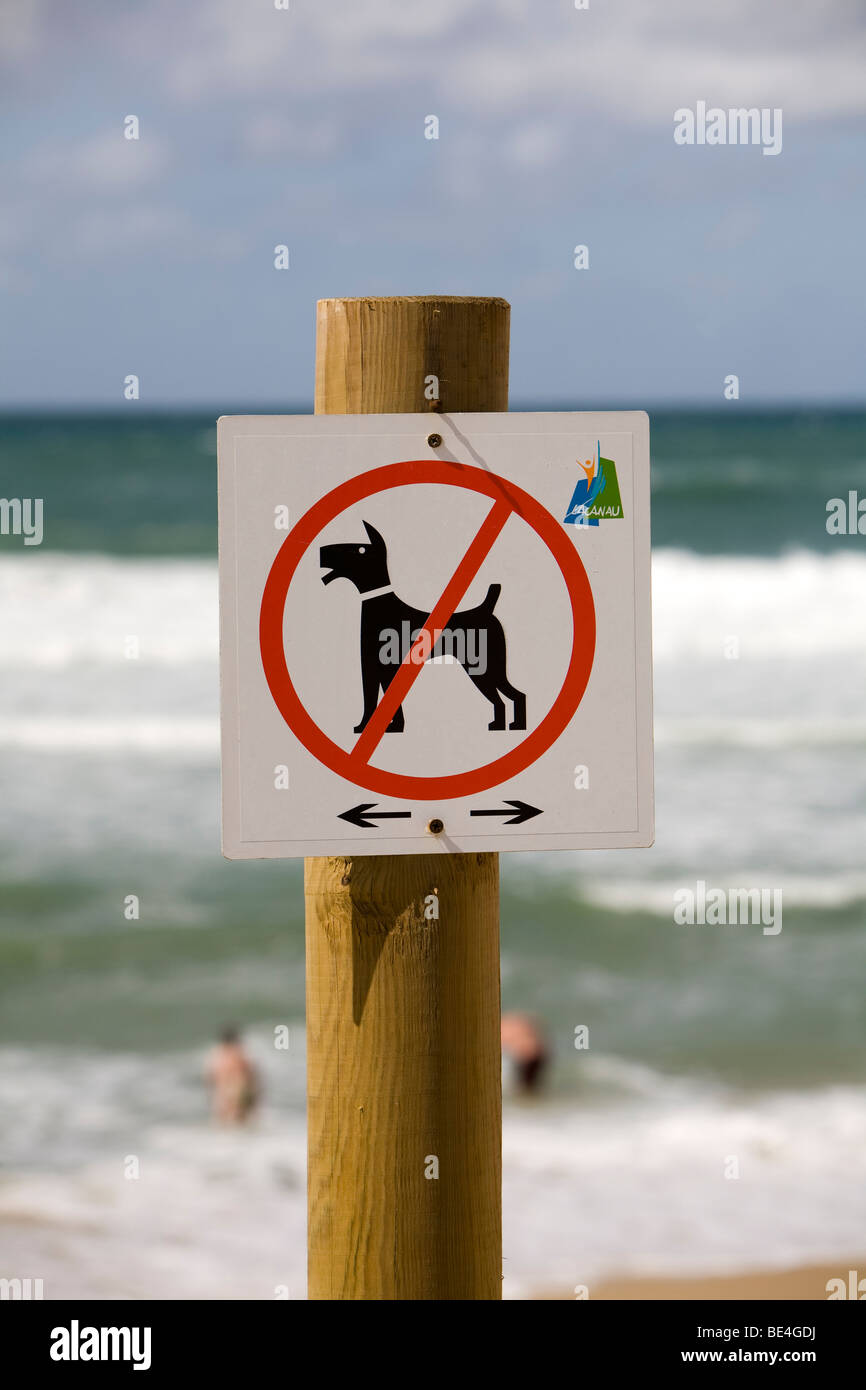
(524, 1044)
(233, 1080)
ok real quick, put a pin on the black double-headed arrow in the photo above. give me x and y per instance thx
(366, 814)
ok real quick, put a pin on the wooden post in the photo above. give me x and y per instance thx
(403, 1054)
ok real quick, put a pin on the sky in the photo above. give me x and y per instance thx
(305, 127)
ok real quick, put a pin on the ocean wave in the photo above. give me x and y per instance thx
(800, 605)
(832, 890)
(691, 1183)
(761, 733)
(643, 1170)
(197, 737)
(191, 738)
(57, 610)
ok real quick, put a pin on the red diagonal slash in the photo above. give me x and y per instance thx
(410, 667)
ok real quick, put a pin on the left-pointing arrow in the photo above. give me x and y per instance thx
(359, 815)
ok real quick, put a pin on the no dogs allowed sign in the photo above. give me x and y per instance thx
(435, 633)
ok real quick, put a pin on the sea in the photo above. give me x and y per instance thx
(716, 1119)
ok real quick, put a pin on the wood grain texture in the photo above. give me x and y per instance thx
(403, 1008)
(403, 1063)
(374, 355)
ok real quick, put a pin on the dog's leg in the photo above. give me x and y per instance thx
(487, 685)
(498, 720)
(397, 723)
(489, 674)
(518, 700)
(370, 686)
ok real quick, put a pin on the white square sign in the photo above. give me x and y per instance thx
(435, 633)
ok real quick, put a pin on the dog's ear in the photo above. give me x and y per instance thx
(375, 538)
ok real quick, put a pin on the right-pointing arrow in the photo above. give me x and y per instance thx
(518, 814)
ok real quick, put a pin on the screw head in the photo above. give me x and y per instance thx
(436, 826)
(434, 440)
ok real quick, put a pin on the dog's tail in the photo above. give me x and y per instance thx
(492, 595)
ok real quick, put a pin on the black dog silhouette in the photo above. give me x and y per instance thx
(389, 627)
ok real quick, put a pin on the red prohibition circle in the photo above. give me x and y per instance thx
(299, 540)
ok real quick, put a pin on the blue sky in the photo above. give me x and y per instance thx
(260, 126)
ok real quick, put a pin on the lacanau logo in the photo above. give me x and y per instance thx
(597, 496)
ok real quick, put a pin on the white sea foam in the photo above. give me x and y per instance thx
(800, 605)
(70, 695)
(198, 737)
(761, 733)
(628, 1177)
(839, 889)
(636, 1188)
(57, 610)
(192, 738)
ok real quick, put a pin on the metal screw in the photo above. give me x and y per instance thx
(434, 440)
(435, 826)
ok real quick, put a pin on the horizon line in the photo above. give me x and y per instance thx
(794, 407)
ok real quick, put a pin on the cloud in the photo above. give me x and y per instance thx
(266, 135)
(104, 164)
(145, 226)
(20, 30)
(637, 61)
(285, 109)
(535, 144)
(487, 57)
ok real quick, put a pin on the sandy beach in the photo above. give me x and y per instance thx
(806, 1283)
